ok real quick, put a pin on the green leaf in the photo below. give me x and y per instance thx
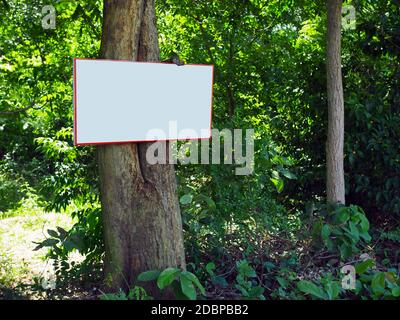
(278, 184)
(114, 296)
(363, 266)
(188, 287)
(342, 216)
(149, 275)
(378, 283)
(332, 289)
(190, 276)
(364, 223)
(354, 231)
(245, 269)
(210, 267)
(186, 199)
(52, 233)
(38, 247)
(167, 276)
(310, 288)
(325, 232)
(288, 174)
(256, 292)
(137, 293)
(366, 236)
(396, 292)
(62, 233)
(47, 243)
(345, 251)
(282, 282)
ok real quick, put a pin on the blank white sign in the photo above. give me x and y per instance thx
(123, 101)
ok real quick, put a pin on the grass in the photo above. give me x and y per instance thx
(20, 266)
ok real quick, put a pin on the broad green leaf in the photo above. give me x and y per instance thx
(364, 224)
(188, 287)
(333, 290)
(310, 288)
(363, 266)
(167, 276)
(396, 292)
(52, 233)
(190, 276)
(354, 231)
(378, 283)
(342, 216)
(288, 174)
(186, 199)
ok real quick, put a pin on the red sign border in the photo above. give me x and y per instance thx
(131, 141)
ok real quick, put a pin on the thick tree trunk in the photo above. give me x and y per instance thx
(142, 222)
(334, 147)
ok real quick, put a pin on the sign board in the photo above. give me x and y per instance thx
(124, 101)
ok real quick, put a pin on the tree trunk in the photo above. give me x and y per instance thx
(334, 148)
(141, 216)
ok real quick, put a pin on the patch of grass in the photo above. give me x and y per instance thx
(19, 229)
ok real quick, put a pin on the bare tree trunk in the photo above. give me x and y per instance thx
(334, 148)
(142, 222)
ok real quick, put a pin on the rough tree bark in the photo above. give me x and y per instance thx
(141, 216)
(334, 147)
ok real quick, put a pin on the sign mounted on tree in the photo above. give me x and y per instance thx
(123, 101)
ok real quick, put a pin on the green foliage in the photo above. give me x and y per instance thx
(343, 229)
(245, 281)
(326, 289)
(183, 283)
(216, 280)
(370, 284)
(84, 237)
(372, 109)
(135, 293)
(11, 192)
(377, 285)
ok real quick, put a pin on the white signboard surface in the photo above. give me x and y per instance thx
(123, 101)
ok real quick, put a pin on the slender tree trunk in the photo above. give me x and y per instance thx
(334, 147)
(142, 222)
